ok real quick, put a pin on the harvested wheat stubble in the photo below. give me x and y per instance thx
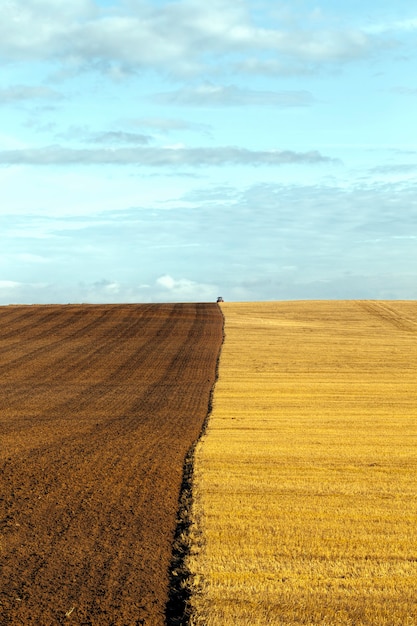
(314, 423)
(98, 407)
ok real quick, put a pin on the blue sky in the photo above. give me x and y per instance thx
(155, 150)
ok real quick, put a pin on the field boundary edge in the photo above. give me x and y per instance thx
(177, 612)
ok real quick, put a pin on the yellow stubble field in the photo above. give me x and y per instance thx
(305, 483)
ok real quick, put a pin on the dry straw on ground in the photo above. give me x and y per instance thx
(305, 501)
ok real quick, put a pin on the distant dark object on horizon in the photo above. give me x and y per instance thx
(220, 299)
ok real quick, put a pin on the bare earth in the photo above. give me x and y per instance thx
(98, 407)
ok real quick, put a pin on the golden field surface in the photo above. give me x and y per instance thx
(305, 482)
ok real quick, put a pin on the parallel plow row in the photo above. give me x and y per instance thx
(98, 408)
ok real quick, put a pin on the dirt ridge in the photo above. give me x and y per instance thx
(177, 612)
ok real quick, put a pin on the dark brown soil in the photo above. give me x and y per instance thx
(98, 407)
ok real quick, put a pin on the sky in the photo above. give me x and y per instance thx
(180, 150)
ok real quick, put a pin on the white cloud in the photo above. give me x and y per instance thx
(14, 292)
(208, 95)
(21, 93)
(185, 289)
(83, 135)
(169, 282)
(405, 91)
(397, 168)
(112, 288)
(108, 187)
(407, 25)
(114, 137)
(164, 289)
(160, 157)
(179, 37)
(264, 241)
(274, 66)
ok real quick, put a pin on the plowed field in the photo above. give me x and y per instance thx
(98, 407)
